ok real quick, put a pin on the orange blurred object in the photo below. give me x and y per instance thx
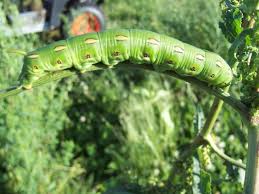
(85, 23)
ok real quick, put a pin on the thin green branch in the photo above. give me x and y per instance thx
(197, 142)
(53, 76)
(252, 175)
(216, 149)
(225, 96)
(235, 103)
(200, 139)
(212, 117)
(221, 94)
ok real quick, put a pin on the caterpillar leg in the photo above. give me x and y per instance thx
(27, 82)
(27, 86)
(83, 67)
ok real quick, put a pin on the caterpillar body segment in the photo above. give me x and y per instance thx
(137, 46)
(84, 51)
(193, 61)
(216, 71)
(115, 46)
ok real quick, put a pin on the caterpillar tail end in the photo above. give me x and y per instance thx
(26, 81)
(27, 86)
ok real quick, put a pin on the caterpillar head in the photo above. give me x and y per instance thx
(226, 75)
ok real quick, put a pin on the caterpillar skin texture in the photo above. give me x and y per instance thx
(137, 46)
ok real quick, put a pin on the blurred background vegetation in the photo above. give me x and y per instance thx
(116, 131)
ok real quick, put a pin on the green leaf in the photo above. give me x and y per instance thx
(237, 21)
(198, 119)
(201, 179)
(232, 25)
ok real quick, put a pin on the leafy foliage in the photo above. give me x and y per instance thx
(202, 180)
(242, 25)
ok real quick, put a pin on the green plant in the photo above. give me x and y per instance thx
(241, 28)
(132, 90)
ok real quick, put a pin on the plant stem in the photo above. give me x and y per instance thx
(197, 142)
(221, 154)
(221, 94)
(204, 137)
(235, 103)
(252, 169)
(212, 117)
(251, 185)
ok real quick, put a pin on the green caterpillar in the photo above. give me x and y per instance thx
(137, 46)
